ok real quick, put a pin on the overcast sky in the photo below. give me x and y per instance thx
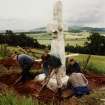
(29, 14)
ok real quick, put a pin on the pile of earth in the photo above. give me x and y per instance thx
(10, 62)
(32, 87)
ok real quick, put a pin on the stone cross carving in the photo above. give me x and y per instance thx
(57, 44)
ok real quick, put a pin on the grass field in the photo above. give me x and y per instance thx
(70, 38)
(96, 63)
(73, 42)
(10, 98)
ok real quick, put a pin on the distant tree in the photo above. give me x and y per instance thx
(96, 44)
(20, 39)
(9, 32)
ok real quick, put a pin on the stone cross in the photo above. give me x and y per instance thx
(57, 44)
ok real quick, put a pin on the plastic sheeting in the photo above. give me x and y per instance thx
(52, 84)
(40, 77)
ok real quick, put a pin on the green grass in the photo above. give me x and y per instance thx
(72, 42)
(44, 41)
(34, 52)
(10, 98)
(4, 51)
(96, 63)
(1, 56)
(70, 38)
(40, 36)
(95, 98)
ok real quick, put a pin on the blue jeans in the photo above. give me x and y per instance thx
(80, 91)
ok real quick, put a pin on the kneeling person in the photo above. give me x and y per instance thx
(79, 84)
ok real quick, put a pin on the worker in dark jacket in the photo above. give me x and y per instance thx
(50, 62)
(72, 66)
(52, 66)
(45, 63)
(25, 62)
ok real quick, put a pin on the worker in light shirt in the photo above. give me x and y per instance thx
(79, 84)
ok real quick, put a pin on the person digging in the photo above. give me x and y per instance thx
(53, 64)
(25, 62)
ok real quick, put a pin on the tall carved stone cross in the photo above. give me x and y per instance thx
(57, 44)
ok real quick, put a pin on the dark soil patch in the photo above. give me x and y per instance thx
(32, 87)
(28, 88)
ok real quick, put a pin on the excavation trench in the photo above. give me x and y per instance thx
(32, 87)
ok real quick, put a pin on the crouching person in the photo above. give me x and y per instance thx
(25, 62)
(79, 84)
(53, 64)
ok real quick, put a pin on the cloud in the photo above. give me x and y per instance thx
(88, 13)
(27, 14)
(19, 24)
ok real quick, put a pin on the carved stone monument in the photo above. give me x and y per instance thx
(57, 44)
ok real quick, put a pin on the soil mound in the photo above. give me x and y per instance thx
(32, 87)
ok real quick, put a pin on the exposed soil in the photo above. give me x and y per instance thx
(10, 62)
(32, 87)
(28, 88)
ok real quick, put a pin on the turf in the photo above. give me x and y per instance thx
(96, 63)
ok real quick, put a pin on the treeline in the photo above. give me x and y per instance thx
(95, 45)
(21, 40)
(76, 49)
